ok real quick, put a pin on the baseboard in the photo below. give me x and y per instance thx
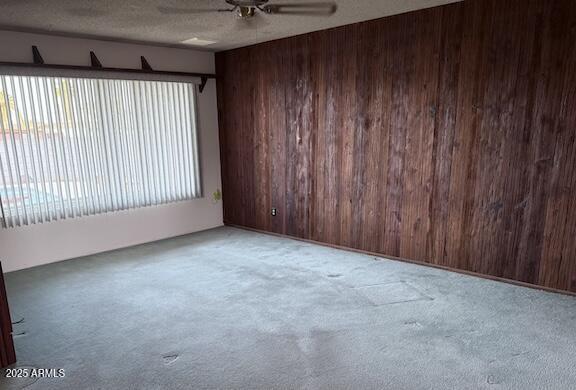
(114, 248)
(376, 254)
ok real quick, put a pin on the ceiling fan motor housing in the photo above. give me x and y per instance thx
(247, 3)
(247, 8)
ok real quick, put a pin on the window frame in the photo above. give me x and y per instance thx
(62, 73)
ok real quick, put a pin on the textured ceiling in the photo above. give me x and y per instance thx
(140, 20)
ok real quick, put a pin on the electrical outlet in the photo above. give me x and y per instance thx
(274, 211)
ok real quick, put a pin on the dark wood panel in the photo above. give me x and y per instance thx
(7, 352)
(445, 135)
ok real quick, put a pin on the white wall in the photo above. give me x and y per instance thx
(29, 246)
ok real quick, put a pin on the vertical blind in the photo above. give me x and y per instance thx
(72, 147)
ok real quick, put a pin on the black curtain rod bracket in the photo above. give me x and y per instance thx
(145, 64)
(37, 57)
(203, 80)
(94, 60)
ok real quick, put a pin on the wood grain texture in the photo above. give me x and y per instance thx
(7, 352)
(446, 136)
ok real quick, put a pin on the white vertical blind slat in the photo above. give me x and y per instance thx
(70, 140)
(194, 145)
(6, 174)
(142, 158)
(64, 182)
(105, 190)
(180, 141)
(175, 145)
(20, 213)
(187, 139)
(80, 148)
(25, 138)
(44, 151)
(52, 159)
(33, 151)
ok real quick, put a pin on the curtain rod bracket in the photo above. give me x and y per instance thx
(203, 81)
(37, 56)
(145, 64)
(95, 61)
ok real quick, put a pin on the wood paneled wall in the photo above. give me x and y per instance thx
(445, 135)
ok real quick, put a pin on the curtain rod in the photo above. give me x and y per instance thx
(97, 67)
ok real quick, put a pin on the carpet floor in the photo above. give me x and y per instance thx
(233, 309)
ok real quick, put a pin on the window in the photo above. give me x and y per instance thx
(71, 147)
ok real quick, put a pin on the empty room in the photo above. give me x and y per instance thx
(288, 194)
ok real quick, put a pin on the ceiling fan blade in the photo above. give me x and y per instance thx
(186, 11)
(315, 9)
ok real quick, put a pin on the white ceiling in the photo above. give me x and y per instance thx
(140, 20)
